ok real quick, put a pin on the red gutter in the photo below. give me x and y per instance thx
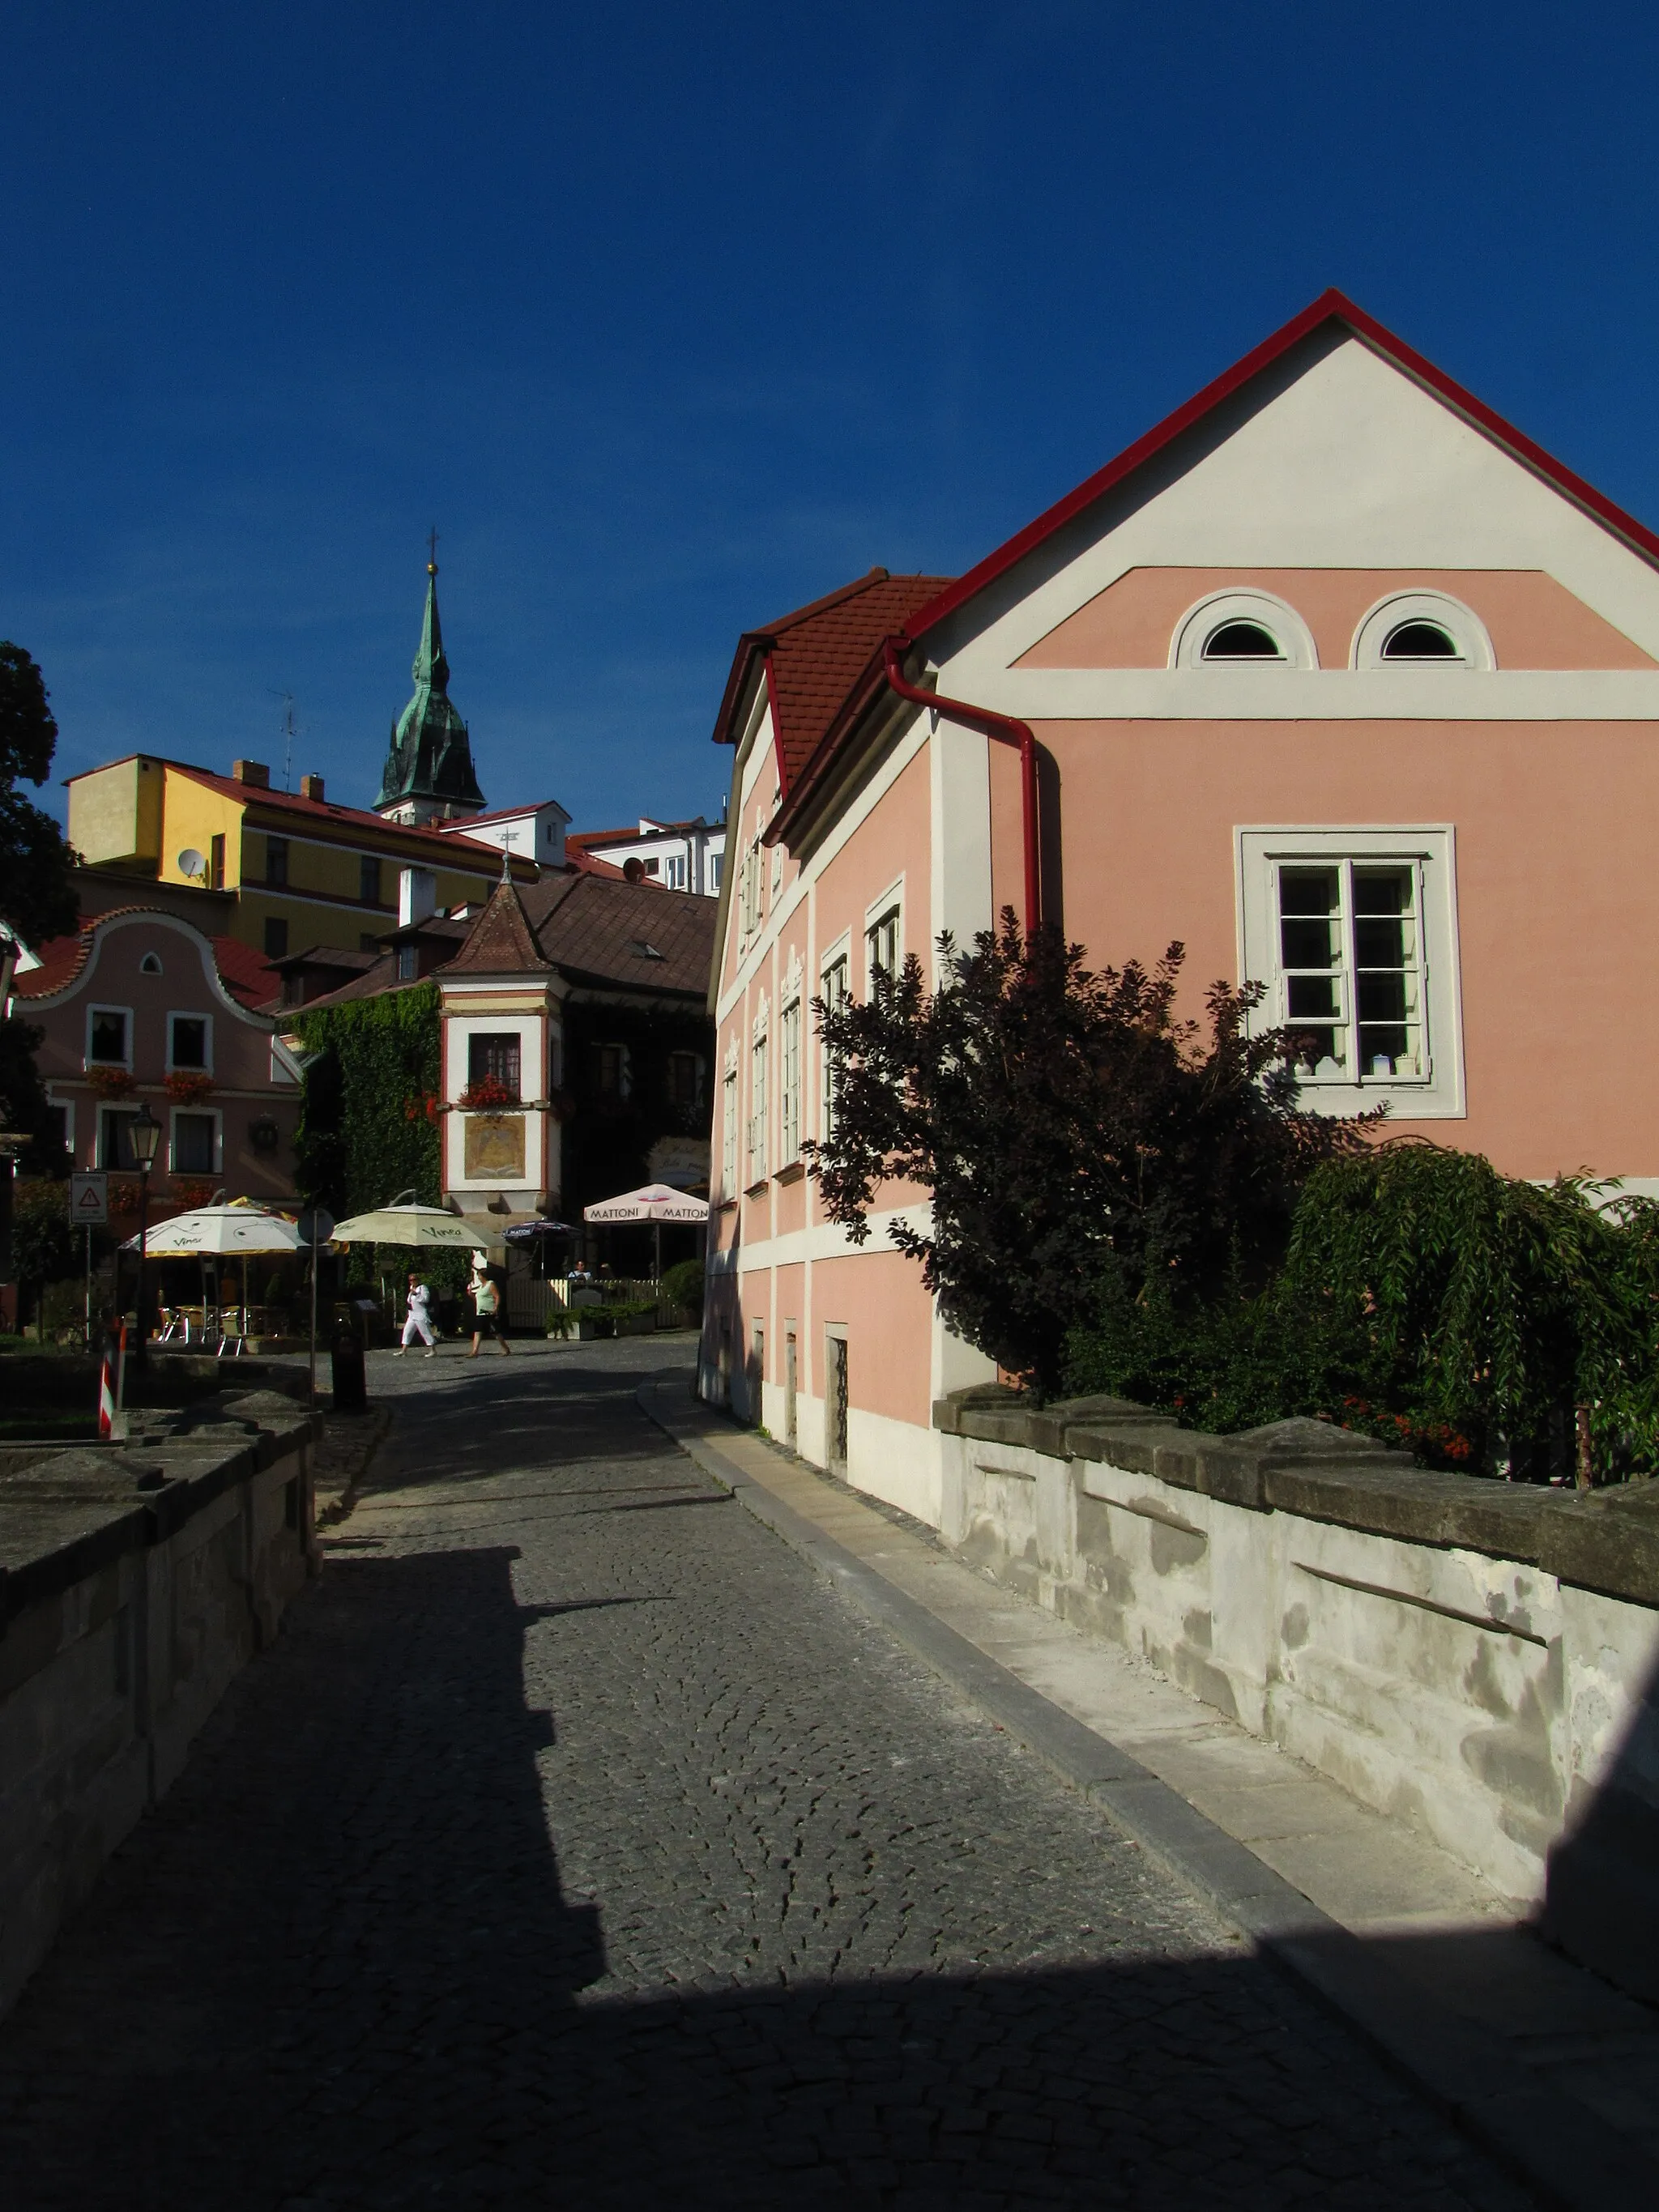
(1008, 732)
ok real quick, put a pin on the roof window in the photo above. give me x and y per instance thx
(1242, 628)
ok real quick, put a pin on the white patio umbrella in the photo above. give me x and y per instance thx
(220, 1231)
(655, 1202)
(399, 1223)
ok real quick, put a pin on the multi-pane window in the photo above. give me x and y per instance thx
(1350, 970)
(493, 1056)
(608, 1066)
(789, 1085)
(881, 942)
(834, 997)
(729, 1132)
(714, 872)
(193, 1138)
(187, 1042)
(276, 937)
(674, 871)
(115, 1139)
(276, 862)
(106, 1039)
(368, 879)
(757, 1111)
(685, 1080)
(751, 889)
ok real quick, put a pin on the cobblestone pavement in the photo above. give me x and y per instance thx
(576, 1846)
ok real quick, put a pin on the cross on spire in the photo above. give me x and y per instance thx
(432, 550)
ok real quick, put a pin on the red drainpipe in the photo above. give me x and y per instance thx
(1008, 732)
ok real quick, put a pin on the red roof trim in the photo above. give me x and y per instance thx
(777, 725)
(1330, 306)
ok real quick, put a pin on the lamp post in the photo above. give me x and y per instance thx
(144, 1133)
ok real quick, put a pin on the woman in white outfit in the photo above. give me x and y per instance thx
(420, 1318)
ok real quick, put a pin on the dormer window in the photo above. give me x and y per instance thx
(1242, 641)
(1419, 641)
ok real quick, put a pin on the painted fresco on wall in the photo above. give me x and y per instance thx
(493, 1147)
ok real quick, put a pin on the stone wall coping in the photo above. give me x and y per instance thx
(72, 1511)
(1606, 1540)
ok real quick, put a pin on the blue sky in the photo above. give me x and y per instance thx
(673, 318)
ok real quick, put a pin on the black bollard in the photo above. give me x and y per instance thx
(350, 1382)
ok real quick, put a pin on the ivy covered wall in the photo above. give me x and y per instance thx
(370, 1126)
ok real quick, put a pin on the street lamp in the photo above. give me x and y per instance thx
(144, 1135)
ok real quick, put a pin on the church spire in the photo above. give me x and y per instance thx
(428, 774)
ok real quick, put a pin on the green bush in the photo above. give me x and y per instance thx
(682, 1285)
(1492, 1324)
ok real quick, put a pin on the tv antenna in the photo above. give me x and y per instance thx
(290, 731)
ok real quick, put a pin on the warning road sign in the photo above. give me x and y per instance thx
(89, 1201)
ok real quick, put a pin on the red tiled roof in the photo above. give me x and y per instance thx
(435, 842)
(583, 863)
(815, 656)
(246, 974)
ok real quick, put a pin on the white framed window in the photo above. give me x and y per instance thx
(674, 871)
(729, 1132)
(789, 1086)
(109, 1036)
(758, 1108)
(1242, 629)
(884, 938)
(835, 993)
(190, 1044)
(751, 889)
(115, 1139)
(1354, 934)
(714, 872)
(62, 1112)
(195, 1141)
(1422, 630)
(150, 964)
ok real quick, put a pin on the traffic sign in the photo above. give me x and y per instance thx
(315, 1225)
(89, 1200)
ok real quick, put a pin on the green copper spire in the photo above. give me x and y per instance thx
(429, 773)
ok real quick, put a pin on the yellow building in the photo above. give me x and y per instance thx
(302, 870)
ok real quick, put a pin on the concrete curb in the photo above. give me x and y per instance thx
(1546, 2139)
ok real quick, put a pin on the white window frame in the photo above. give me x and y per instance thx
(103, 1106)
(1436, 1094)
(207, 1112)
(190, 1014)
(789, 1085)
(126, 1060)
(888, 907)
(1461, 624)
(66, 1108)
(729, 1131)
(837, 961)
(757, 1132)
(1277, 616)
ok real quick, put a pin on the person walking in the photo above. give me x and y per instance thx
(419, 1322)
(486, 1309)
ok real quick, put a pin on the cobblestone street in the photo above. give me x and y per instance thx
(577, 1845)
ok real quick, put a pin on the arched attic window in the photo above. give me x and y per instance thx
(1242, 641)
(1419, 641)
(150, 964)
(1242, 629)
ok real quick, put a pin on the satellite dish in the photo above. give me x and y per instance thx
(191, 862)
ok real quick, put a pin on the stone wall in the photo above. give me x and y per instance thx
(135, 1579)
(1476, 1659)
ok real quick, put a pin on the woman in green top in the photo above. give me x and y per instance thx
(486, 1308)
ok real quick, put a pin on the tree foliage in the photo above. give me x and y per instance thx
(23, 1102)
(37, 896)
(1066, 1126)
(372, 1071)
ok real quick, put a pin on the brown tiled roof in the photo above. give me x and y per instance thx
(500, 942)
(599, 931)
(815, 658)
(383, 975)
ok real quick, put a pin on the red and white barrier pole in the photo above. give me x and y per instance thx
(109, 1388)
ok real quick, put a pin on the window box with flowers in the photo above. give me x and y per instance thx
(192, 1191)
(487, 1094)
(189, 1089)
(111, 1081)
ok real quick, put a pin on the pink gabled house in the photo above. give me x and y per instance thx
(1335, 676)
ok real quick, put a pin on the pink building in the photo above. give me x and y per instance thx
(141, 1009)
(1335, 676)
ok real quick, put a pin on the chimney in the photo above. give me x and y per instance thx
(310, 787)
(253, 772)
(417, 894)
